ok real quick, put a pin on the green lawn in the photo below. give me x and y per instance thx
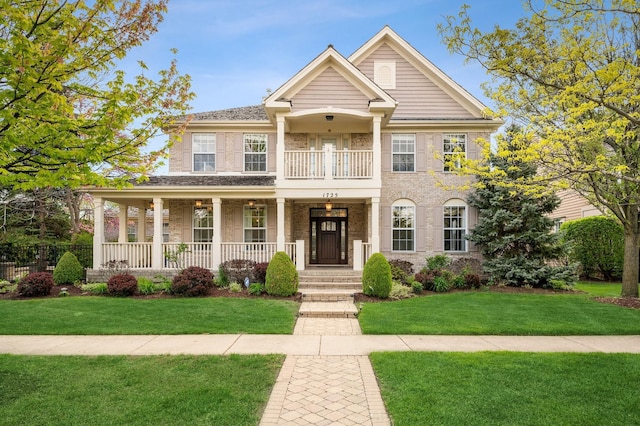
(502, 388)
(110, 315)
(600, 289)
(161, 390)
(492, 313)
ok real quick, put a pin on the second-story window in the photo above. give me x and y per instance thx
(204, 152)
(404, 153)
(255, 153)
(454, 147)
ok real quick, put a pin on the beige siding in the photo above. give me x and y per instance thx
(417, 96)
(573, 206)
(330, 88)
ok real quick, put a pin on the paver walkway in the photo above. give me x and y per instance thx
(326, 390)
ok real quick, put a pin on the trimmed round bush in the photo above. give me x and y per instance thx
(122, 285)
(376, 276)
(281, 278)
(192, 281)
(68, 270)
(35, 284)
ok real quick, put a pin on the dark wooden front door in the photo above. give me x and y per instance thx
(328, 239)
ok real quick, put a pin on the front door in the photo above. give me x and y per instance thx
(328, 238)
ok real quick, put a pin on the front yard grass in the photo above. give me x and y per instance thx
(110, 315)
(157, 390)
(493, 313)
(506, 388)
(600, 289)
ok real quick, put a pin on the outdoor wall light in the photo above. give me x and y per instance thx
(198, 203)
(328, 206)
(251, 203)
(329, 117)
(151, 205)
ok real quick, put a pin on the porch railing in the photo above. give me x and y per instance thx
(340, 164)
(137, 255)
(181, 255)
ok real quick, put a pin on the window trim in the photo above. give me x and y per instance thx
(446, 154)
(209, 209)
(245, 152)
(403, 204)
(194, 152)
(264, 228)
(401, 139)
(464, 228)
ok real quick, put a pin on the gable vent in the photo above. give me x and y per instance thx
(384, 74)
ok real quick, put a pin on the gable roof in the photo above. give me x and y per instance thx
(413, 56)
(279, 100)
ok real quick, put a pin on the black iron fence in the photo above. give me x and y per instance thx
(17, 260)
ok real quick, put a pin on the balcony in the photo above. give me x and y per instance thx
(328, 164)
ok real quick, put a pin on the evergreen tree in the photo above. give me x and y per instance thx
(513, 232)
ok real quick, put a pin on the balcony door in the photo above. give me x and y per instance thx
(328, 236)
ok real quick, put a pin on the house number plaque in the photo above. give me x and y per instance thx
(329, 195)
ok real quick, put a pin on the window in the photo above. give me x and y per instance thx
(165, 232)
(455, 226)
(204, 152)
(403, 227)
(404, 152)
(132, 231)
(454, 147)
(255, 224)
(255, 153)
(203, 224)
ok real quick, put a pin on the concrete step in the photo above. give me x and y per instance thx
(330, 286)
(315, 295)
(329, 279)
(341, 309)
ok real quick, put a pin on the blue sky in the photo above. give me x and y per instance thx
(235, 50)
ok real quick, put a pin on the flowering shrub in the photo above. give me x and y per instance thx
(192, 281)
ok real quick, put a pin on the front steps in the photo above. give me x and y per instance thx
(328, 292)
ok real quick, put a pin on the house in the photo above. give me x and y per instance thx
(343, 160)
(573, 206)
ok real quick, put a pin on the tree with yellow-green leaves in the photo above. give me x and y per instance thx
(569, 74)
(68, 115)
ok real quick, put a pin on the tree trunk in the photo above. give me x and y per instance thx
(630, 273)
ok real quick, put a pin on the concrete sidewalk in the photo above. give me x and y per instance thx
(306, 344)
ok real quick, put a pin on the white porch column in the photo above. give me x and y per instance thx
(122, 223)
(280, 225)
(375, 225)
(280, 148)
(98, 231)
(300, 255)
(141, 232)
(156, 251)
(217, 232)
(357, 255)
(377, 149)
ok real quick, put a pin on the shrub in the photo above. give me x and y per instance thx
(95, 288)
(441, 284)
(376, 277)
(260, 272)
(35, 284)
(235, 288)
(256, 289)
(416, 287)
(68, 270)
(438, 262)
(399, 291)
(122, 285)
(192, 281)
(237, 270)
(473, 280)
(597, 243)
(426, 279)
(465, 265)
(162, 283)
(458, 282)
(223, 280)
(146, 286)
(7, 287)
(78, 247)
(401, 270)
(281, 278)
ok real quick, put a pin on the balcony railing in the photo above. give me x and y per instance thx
(329, 163)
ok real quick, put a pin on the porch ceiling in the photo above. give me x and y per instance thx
(329, 122)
